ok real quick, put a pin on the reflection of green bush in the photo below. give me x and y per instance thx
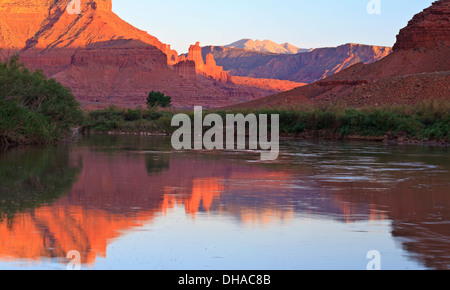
(33, 109)
(29, 179)
(156, 163)
(117, 143)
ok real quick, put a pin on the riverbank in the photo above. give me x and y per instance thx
(427, 122)
(317, 135)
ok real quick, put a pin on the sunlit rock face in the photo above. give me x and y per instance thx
(20, 20)
(41, 23)
(46, 35)
(428, 29)
(207, 67)
(105, 60)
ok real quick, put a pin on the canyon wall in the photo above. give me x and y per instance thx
(105, 60)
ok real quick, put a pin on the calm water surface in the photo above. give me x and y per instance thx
(132, 203)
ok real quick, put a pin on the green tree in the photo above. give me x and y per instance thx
(158, 99)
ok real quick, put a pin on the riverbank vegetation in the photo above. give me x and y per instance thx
(427, 121)
(34, 109)
(114, 119)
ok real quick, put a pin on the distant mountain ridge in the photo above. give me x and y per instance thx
(266, 46)
(304, 67)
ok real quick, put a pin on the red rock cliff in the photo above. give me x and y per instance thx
(186, 69)
(195, 54)
(105, 60)
(428, 29)
(44, 25)
(210, 68)
(418, 69)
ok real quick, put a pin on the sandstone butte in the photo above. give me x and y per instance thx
(105, 60)
(418, 68)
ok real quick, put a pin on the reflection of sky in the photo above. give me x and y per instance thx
(303, 243)
(300, 244)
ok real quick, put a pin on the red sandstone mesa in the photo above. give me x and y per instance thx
(105, 60)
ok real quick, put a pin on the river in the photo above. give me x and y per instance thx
(131, 202)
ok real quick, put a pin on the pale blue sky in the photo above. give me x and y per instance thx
(304, 23)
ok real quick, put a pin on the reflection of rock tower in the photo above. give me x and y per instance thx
(210, 68)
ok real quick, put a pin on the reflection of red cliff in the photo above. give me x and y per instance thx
(114, 194)
(53, 231)
(204, 192)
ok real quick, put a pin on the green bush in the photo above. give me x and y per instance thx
(158, 99)
(426, 120)
(34, 109)
(129, 120)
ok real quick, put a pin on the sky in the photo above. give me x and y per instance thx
(303, 23)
